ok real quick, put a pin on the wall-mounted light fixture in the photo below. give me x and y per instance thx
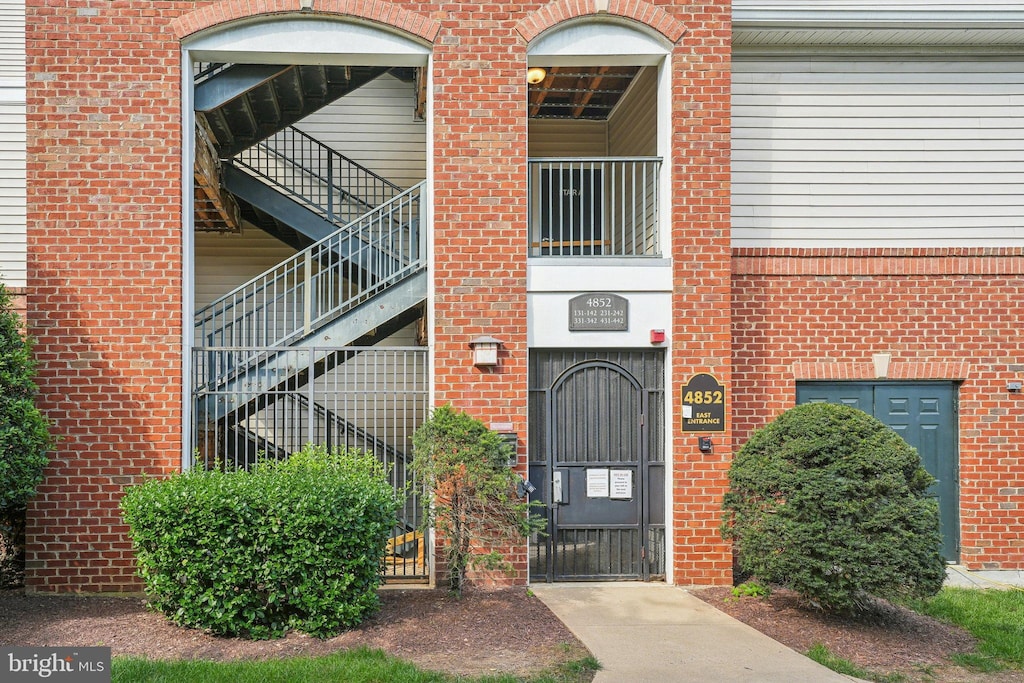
(485, 351)
(535, 75)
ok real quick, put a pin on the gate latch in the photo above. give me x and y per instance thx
(559, 492)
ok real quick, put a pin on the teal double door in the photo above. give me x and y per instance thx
(925, 415)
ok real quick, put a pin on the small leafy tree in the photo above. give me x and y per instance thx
(24, 439)
(832, 503)
(472, 498)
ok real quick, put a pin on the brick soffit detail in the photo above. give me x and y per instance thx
(379, 12)
(898, 370)
(902, 262)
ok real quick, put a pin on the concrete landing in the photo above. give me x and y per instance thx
(653, 632)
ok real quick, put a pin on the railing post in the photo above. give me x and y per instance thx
(311, 355)
(330, 189)
(307, 294)
(420, 226)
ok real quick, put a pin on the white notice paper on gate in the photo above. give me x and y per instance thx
(597, 483)
(622, 483)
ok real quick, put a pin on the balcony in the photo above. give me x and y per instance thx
(599, 207)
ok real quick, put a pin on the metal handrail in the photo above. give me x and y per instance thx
(323, 281)
(319, 177)
(594, 206)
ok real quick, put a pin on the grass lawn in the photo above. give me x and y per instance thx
(353, 666)
(994, 617)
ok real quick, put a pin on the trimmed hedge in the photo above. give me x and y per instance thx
(296, 544)
(832, 503)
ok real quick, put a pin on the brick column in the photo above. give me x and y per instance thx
(479, 258)
(701, 335)
(104, 275)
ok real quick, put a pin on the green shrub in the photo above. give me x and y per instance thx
(831, 502)
(472, 500)
(24, 440)
(292, 544)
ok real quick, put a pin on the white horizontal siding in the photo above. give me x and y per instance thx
(864, 153)
(12, 193)
(225, 261)
(565, 138)
(12, 41)
(374, 126)
(12, 143)
(937, 6)
(633, 126)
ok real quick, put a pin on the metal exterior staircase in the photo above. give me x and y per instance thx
(246, 103)
(359, 273)
(299, 190)
(332, 293)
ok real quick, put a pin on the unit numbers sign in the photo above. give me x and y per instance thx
(598, 312)
(703, 403)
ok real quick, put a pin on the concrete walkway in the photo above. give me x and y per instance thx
(653, 632)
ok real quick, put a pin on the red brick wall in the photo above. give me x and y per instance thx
(700, 340)
(19, 301)
(479, 271)
(941, 314)
(105, 245)
(104, 282)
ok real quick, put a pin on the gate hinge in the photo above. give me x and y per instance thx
(643, 552)
(956, 407)
(642, 419)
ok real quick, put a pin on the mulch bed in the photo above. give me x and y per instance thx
(891, 639)
(505, 630)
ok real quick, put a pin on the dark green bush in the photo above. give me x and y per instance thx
(24, 440)
(831, 502)
(296, 544)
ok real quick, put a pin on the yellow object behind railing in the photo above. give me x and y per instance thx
(397, 554)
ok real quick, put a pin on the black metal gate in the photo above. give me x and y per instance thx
(597, 447)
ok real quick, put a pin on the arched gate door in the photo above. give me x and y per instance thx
(597, 448)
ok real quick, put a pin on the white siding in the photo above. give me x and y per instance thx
(12, 142)
(565, 138)
(878, 5)
(375, 127)
(12, 41)
(868, 153)
(225, 261)
(633, 126)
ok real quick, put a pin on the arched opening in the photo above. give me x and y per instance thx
(306, 225)
(596, 139)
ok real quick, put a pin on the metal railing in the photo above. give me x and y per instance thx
(315, 175)
(603, 206)
(369, 398)
(322, 282)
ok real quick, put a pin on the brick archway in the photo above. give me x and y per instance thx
(378, 12)
(559, 11)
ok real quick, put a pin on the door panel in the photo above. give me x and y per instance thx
(924, 415)
(596, 415)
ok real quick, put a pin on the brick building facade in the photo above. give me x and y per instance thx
(112, 271)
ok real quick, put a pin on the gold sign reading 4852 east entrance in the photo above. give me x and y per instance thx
(703, 404)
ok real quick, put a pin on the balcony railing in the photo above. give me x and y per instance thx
(605, 206)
